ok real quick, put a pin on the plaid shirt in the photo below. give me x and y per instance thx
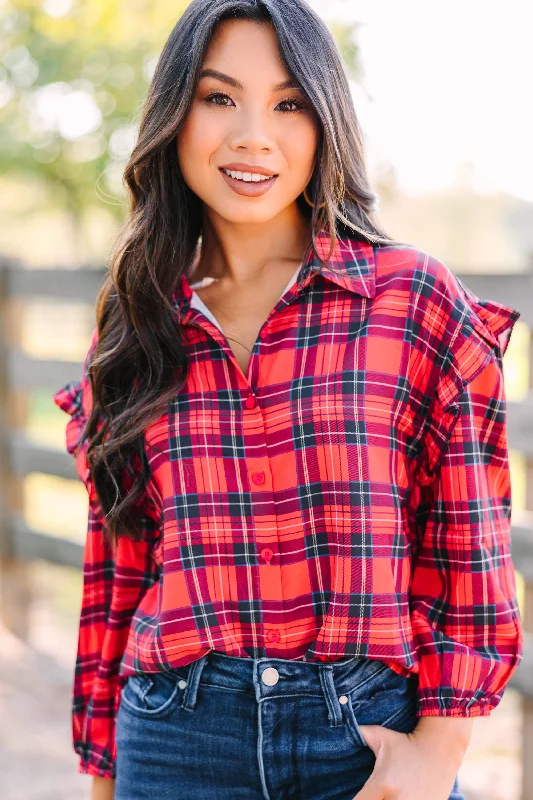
(349, 496)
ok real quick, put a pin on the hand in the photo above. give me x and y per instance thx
(407, 764)
(102, 788)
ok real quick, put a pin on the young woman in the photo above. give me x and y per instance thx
(297, 575)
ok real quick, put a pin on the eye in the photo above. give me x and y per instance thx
(214, 95)
(299, 105)
(219, 98)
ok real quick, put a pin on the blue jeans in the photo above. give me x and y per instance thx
(229, 728)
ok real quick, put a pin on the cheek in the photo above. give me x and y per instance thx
(300, 149)
(197, 141)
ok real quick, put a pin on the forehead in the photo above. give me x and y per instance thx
(246, 46)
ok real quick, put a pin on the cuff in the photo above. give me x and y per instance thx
(450, 705)
(93, 764)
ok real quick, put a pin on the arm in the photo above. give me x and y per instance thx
(113, 585)
(464, 608)
(463, 601)
(103, 789)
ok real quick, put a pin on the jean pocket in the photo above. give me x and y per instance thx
(389, 700)
(152, 695)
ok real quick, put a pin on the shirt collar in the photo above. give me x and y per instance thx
(351, 266)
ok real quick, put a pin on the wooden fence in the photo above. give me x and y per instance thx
(19, 374)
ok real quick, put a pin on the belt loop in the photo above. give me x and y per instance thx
(193, 679)
(325, 672)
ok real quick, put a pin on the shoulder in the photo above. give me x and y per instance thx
(442, 308)
(408, 268)
(452, 335)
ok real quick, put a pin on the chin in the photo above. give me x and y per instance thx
(246, 216)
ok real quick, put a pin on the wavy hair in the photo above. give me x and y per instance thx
(139, 360)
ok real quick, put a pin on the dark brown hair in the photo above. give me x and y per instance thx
(139, 361)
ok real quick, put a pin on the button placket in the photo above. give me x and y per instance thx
(261, 489)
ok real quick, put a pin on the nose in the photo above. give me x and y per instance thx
(252, 132)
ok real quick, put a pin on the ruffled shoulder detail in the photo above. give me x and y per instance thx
(478, 331)
(491, 319)
(68, 398)
(74, 398)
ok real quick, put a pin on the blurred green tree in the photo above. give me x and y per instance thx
(346, 38)
(72, 78)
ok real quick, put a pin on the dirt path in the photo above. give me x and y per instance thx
(36, 758)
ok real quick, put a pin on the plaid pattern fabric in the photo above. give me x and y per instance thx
(349, 496)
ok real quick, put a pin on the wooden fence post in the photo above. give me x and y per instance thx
(15, 574)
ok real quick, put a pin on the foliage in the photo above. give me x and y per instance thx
(346, 38)
(72, 79)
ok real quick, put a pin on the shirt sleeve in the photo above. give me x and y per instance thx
(463, 603)
(114, 581)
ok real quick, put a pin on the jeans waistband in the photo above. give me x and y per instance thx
(269, 677)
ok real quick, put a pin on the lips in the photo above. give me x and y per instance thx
(248, 188)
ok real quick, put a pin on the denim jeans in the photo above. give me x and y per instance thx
(229, 728)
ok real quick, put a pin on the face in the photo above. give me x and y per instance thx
(247, 116)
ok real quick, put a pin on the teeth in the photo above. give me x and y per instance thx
(248, 177)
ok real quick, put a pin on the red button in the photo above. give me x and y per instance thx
(262, 333)
(267, 553)
(273, 636)
(258, 477)
(250, 401)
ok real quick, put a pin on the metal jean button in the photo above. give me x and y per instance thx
(270, 676)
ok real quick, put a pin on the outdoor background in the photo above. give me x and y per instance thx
(442, 95)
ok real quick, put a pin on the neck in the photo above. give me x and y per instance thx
(237, 254)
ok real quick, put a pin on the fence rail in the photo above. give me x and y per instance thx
(19, 374)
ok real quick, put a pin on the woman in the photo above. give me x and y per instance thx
(297, 578)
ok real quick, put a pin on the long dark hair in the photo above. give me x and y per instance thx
(139, 362)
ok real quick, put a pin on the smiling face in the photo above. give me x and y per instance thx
(248, 117)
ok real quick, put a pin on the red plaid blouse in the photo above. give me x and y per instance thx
(349, 496)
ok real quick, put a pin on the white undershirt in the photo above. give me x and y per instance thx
(198, 303)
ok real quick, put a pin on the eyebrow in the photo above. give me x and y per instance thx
(221, 76)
